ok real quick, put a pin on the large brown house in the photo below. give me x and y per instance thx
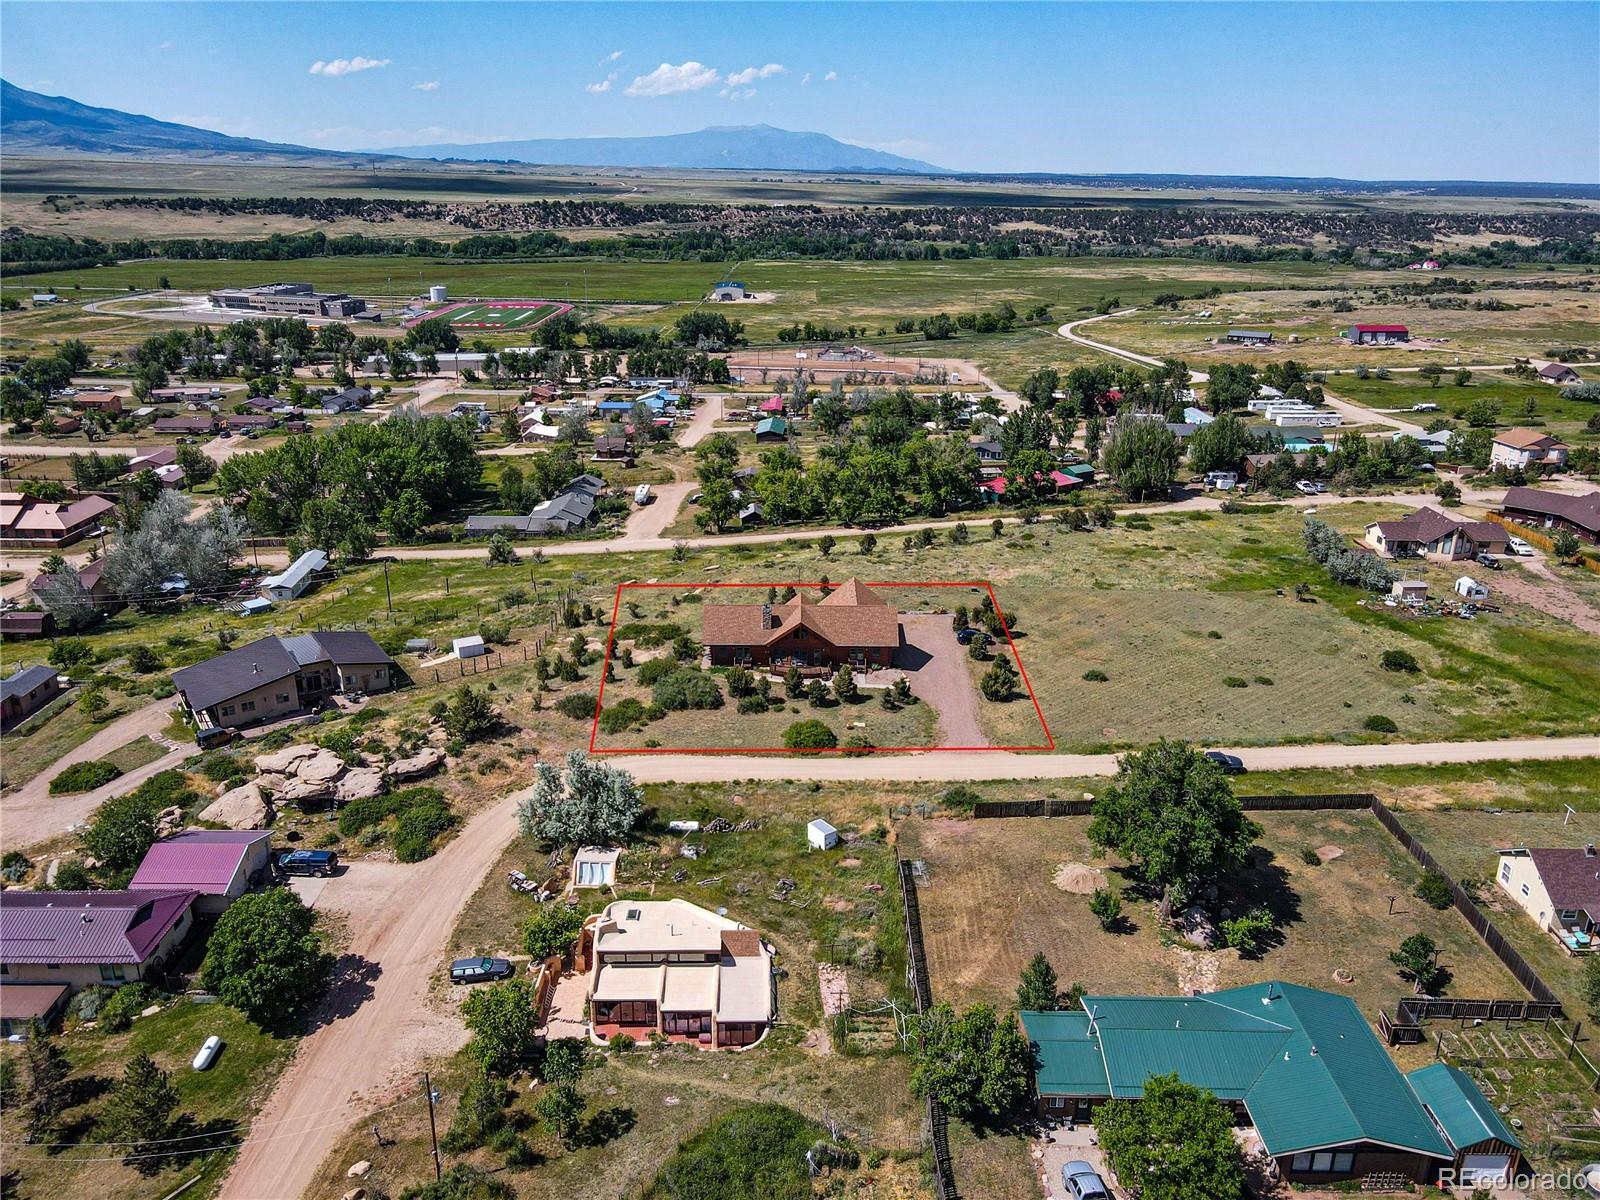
(852, 624)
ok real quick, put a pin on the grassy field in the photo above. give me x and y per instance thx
(1542, 318)
(1512, 397)
(36, 745)
(223, 1098)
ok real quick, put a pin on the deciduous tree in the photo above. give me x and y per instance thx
(1176, 1141)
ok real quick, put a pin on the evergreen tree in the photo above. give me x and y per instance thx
(140, 1113)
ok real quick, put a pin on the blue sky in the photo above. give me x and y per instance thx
(1367, 90)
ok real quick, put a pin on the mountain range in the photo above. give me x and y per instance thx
(33, 123)
(738, 147)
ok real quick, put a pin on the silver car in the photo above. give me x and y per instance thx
(1083, 1182)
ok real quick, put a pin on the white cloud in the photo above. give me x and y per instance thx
(668, 80)
(347, 66)
(595, 89)
(427, 85)
(750, 74)
(610, 58)
(805, 79)
(830, 76)
(737, 93)
(166, 46)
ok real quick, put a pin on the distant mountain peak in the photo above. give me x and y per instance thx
(728, 147)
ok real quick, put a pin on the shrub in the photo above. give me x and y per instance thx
(740, 681)
(84, 777)
(1433, 889)
(1095, 676)
(1399, 660)
(960, 797)
(753, 1152)
(1106, 906)
(1310, 857)
(578, 705)
(480, 1115)
(1380, 724)
(550, 932)
(123, 1005)
(809, 735)
(1233, 681)
(687, 688)
(625, 714)
(655, 671)
(749, 704)
(495, 630)
(1247, 931)
(420, 825)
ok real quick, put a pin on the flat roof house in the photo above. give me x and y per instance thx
(1377, 335)
(281, 676)
(1527, 448)
(27, 523)
(852, 624)
(1553, 510)
(188, 425)
(674, 968)
(1428, 533)
(1302, 1066)
(84, 938)
(218, 865)
(26, 690)
(1559, 889)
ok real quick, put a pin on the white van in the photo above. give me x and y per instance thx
(1224, 481)
(641, 494)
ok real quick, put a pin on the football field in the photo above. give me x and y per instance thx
(500, 316)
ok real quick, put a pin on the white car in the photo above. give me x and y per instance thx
(1518, 547)
(1305, 487)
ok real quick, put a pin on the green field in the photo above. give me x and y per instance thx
(1511, 397)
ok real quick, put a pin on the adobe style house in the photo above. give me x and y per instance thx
(1428, 533)
(1527, 448)
(1559, 889)
(1552, 511)
(218, 865)
(83, 938)
(278, 677)
(1302, 1066)
(852, 624)
(674, 968)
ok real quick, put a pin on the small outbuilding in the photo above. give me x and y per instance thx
(468, 647)
(1470, 588)
(1409, 590)
(297, 578)
(821, 836)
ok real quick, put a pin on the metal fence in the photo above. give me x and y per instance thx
(944, 1182)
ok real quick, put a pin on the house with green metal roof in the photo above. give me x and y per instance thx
(1302, 1066)
(1486, 1150)
(773, 429)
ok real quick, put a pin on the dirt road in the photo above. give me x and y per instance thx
(646, 525)
(1543, 589)
(936, 666)
(380, 1021)
(31, 814)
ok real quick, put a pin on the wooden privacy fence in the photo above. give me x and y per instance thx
(1405, 1027)
(944, 1181)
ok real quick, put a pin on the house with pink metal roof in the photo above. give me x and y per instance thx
(84, 938)
(218, 865)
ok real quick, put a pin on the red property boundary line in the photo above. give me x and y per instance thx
(456, 305)
(1016, 656)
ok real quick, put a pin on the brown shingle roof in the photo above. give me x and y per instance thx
(741, 943)
(1527, 439)
(853, 615)
(1583, 511)
(1571, 877)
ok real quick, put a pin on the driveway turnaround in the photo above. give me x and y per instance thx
(935, 663)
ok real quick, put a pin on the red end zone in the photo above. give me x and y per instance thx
(616, 607)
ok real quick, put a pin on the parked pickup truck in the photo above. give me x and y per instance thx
(308, 862)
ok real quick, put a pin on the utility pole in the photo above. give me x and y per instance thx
(433, 1128)
(388, 597)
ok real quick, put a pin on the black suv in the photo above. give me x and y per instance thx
(308, 862)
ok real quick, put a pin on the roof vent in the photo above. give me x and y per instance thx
(1177, 1024)
(1285, 1056)
(1588, 851)
(87, 918)
(255, 668)
(634, 914)
(1313, 1052)
(1271, 994)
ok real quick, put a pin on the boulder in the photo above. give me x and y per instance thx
(322, 767)
(242, 808)
(271, 781)
(169, 821)
(297, 790)
(429, 758)
(283, 761)
(359, 783)
(1198, 929)
(355, 1194)
(359, 1170)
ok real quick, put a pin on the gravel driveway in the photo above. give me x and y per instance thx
(935, 663)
